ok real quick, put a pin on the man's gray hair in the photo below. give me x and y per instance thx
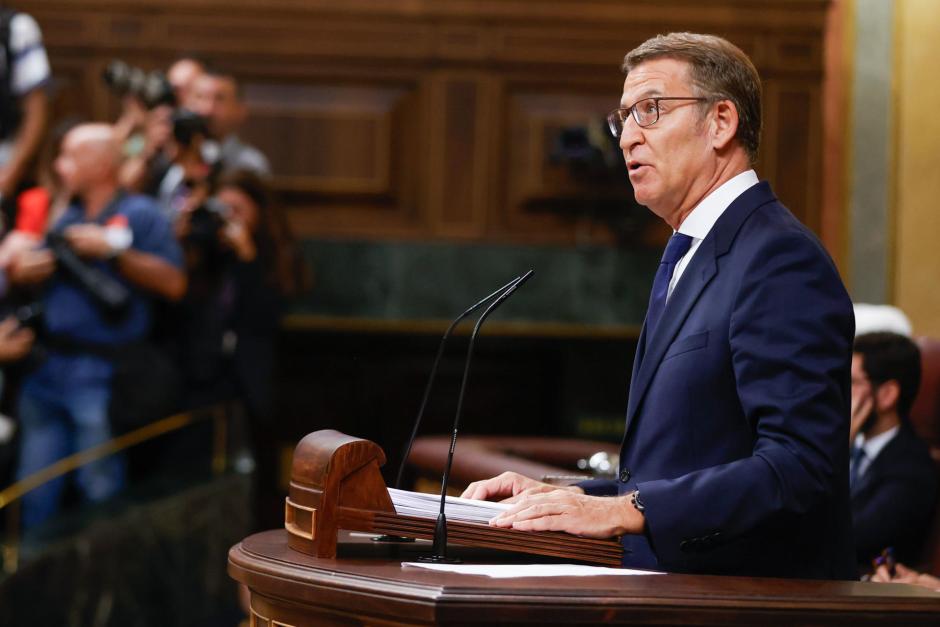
(719, 70)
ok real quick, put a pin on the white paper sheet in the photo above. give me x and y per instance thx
(506, 571)
(424, 505)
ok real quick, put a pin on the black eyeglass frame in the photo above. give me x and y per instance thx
(618, 116)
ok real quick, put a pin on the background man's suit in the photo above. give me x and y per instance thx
(738, 415)
(893, 500)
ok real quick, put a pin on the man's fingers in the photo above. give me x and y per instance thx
(482, 490)
(881, 575)
(8, 326)
(531, 491)
(471, 491)
(555, 522)
(506, 484)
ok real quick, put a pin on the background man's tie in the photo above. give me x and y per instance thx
(858, 455)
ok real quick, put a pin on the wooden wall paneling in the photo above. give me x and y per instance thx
(345, 156)
(325, 138)
(798, 177)
(459, 123)
(767, 162)
(798, 52)
(543, 200)
(405, 170)
(73, 89)
(323, 36)
(561, 44)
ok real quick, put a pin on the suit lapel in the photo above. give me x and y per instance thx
(699, 273)
(696, 276)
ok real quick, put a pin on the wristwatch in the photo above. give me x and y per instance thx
(635, 500)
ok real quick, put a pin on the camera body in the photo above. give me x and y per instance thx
(112, 298)
(151, 88)
(206, 222)
(28, 315)
(187, 126)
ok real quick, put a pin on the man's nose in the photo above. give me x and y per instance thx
(631, 133)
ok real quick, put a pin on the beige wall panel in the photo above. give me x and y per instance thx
(917, 216)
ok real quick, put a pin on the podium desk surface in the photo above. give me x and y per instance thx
(367, 584)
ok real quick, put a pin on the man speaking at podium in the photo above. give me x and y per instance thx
(734, 458)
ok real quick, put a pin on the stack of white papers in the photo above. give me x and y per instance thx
(423, 505)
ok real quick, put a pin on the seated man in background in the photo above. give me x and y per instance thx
(892, 478)
(64, 403)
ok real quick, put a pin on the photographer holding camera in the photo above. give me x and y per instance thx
(91, 321)
(241, 267)
(151, 112)
(218, 97)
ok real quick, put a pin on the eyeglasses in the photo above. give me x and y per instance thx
(645, 113)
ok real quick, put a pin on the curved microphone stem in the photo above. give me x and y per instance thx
(440, 530)
(427, 393)
(437, 360)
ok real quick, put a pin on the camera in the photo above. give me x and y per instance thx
(28, 315)
(188, 125)
(111, 297)
(205, 223)
(151, 88)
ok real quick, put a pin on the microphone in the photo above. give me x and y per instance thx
(440, 531)
(430, 385)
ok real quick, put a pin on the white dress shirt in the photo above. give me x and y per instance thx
(701, 220)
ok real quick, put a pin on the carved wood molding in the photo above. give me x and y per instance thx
(782, 35)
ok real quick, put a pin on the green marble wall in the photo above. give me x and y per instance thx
(412, 280)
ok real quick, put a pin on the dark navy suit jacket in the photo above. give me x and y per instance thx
(738, 413)
(893, 501)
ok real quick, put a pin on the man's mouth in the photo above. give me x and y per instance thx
(633, 166)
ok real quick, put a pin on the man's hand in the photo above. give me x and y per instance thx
(32, 266)
(578, 514)
(862, 404)
(509, 487)
(15, 341)
(238, 238)
(903, 574)
(88, 240)
(158, 129)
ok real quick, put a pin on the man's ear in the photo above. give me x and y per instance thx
(724, 124)
(887, 395)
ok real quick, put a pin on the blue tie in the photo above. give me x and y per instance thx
(855, 464)
(677, 247)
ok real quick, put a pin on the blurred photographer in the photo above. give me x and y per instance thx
(235, 249)
(140, 91)
(242, 270)
(189, 181)
(218, 97)
(147, 157)
(114, 254)
(24, 73)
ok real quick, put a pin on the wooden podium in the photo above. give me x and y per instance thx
(314, 572)
(336, 484)
(366, 584)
